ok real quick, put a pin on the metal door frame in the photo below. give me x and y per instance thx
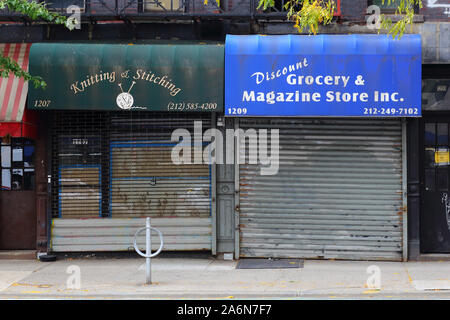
(213, 196)
(405, 189)
(237, 210)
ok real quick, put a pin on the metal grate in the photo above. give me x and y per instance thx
(80, 164)
(144, 179)
(117, 164)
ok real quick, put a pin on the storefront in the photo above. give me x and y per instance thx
(338, 104)
(112, 110)
(18, 135)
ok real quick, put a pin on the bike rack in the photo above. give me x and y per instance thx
(148, 247)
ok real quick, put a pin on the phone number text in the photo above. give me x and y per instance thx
(188, 106)
(392, 111)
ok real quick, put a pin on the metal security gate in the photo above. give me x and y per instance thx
(339, 192)
(145, 181)
(113, 169)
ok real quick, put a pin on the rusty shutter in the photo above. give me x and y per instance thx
(145, 181)
(338, 192)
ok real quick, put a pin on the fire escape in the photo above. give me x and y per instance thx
(169, 10)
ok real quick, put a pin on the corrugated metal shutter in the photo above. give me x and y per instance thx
(80, 191)
(104, 234)
(144, 179)
(338, 192)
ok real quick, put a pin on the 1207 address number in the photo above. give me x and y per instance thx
(42, 103)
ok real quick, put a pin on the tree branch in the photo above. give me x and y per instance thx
(35, 11)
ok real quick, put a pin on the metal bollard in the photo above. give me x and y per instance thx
(148, 247)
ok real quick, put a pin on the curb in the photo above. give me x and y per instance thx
(294, 295)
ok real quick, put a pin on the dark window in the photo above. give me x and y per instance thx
(430, 157)
(430, 134)
(389, 7)
(436, 156)
(442, 179)
(436, 94)
(278, 6)
(164, 5)
(442, 134)
(17, 164)
(429, 179)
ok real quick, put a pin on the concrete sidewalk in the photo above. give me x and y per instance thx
(185, 278)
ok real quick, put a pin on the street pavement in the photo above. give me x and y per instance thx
(190, 278)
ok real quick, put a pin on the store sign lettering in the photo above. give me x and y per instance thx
(163, 81)
(80, 86)
(125, 99)
(338, 76)
(301, 88)
(292, 79)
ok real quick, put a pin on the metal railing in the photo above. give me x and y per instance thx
(162, 9)
(117, 9)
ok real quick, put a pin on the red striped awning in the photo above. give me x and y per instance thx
(26, 128)
(13, 90)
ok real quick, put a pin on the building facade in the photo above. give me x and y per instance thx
(86, 172)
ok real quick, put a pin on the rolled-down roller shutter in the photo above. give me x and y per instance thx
(337, 194)
(145, 182)
(144, 179)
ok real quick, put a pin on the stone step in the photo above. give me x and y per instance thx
(18, 254)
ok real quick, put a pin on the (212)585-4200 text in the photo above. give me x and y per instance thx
(191, 106)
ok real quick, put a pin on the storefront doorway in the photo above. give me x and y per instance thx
(17, 197)
(435, 213)
(111, 141)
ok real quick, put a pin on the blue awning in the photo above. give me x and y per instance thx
(323, 75)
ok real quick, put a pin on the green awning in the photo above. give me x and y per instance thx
(153, 77)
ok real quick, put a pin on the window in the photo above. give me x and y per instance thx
(62, 5)
(436, 157)
(163, 5)
(279, 5)
(389, 8)
(386, 7)
(17, 164)
(436, 94)
(279, 8)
